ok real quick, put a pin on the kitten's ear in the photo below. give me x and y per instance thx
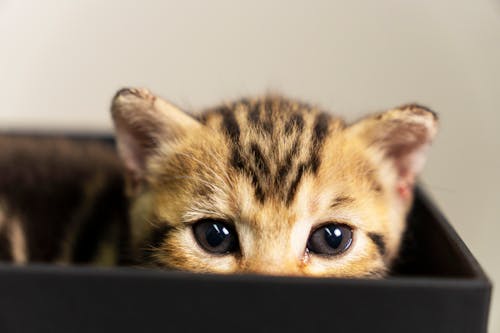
(143, 121)
(402, 135)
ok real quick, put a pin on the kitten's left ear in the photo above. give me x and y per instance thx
(402, 135)
(143, 122)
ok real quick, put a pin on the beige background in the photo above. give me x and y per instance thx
(61, 61)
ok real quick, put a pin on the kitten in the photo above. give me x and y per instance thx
(269, 186)
(266, 185)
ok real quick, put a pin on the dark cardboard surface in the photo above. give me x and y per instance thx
(437, 286)
(44, 299)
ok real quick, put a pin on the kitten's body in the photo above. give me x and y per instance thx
(61, 201)
(271, 170)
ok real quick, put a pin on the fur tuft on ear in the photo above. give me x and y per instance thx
(143, 121)
(403, 135)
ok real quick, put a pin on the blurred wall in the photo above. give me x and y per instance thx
(61, 61)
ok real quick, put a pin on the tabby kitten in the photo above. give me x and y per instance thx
(266, 185)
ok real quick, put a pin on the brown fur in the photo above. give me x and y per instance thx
(274, 168)
(61, 200)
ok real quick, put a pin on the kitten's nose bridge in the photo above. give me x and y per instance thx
(277, 266)
(268, 246)
(272, 259)
(270, 270)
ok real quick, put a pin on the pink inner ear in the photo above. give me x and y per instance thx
(406, 146)
(132, 152)
(135, 142)
(404, 187)
(403, 136)
(408, 164)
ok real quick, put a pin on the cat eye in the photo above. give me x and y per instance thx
(330, 239)
(216, 236)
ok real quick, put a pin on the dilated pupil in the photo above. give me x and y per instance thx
(333, 236)
(216, 234)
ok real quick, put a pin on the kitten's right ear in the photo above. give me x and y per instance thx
(143, 121)
(402, 135)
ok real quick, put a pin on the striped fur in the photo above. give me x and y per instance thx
(273, 168)
(297, 129)
(61, 201)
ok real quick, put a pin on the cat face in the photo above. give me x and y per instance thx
(269, 185)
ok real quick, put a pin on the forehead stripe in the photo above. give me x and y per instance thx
(236, 160)
(253, 114)
(296, 121)
(286, 166)
(259, 159)
(229, 124)
(280, 178)
(320, 128)
(293, 187)
(319, 134)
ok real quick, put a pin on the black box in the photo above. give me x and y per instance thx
(437, 286)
